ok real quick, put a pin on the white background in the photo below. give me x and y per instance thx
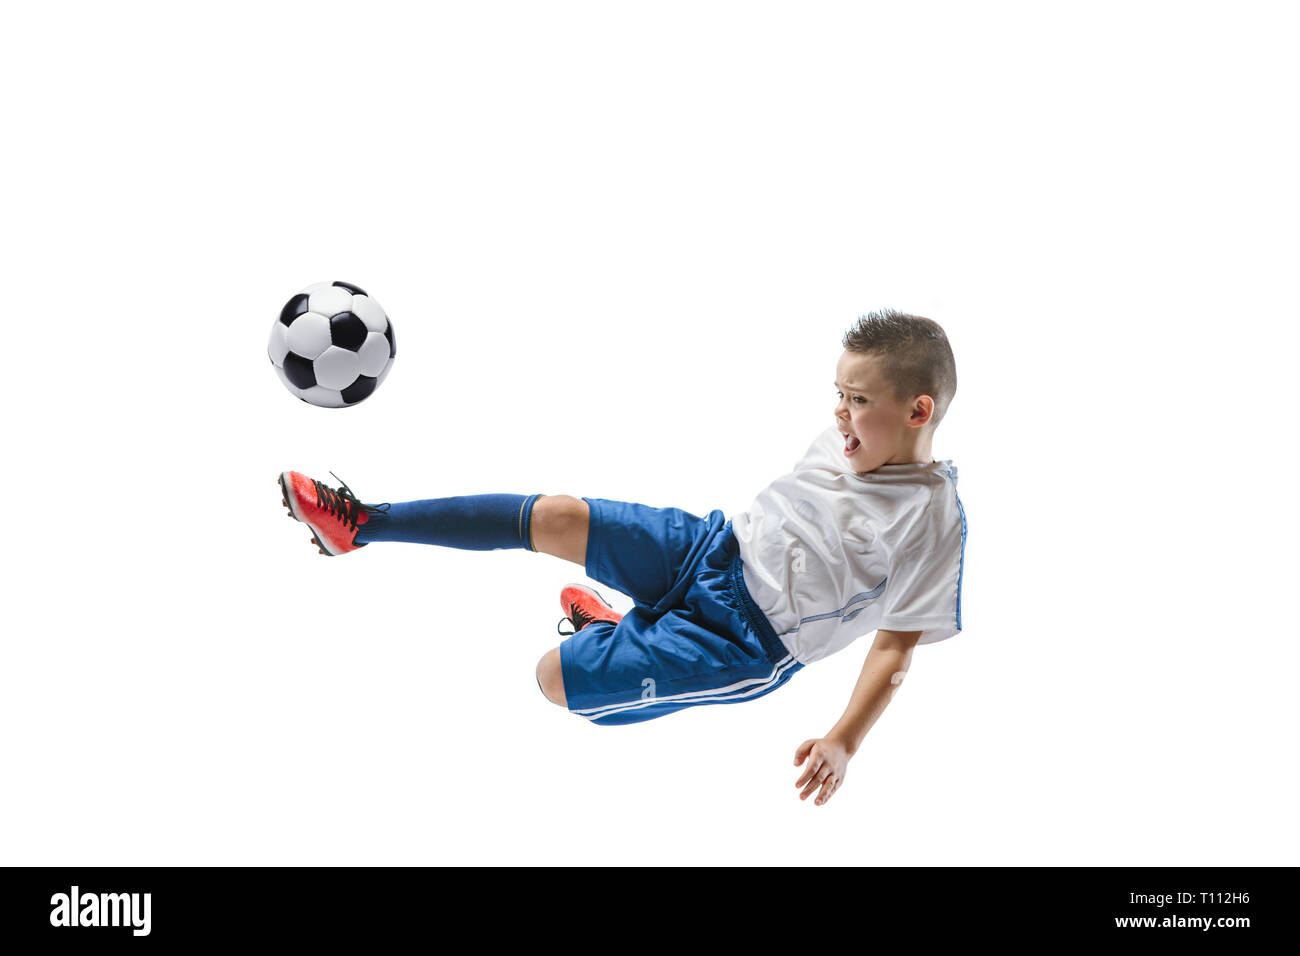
(619, 244)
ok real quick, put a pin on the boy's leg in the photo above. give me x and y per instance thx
(341, 523)
(642, 551)
(647, 666)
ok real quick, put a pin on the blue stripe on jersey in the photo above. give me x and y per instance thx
(866, 596)
(961, 566)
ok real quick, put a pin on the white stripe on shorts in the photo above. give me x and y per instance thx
(736, 691)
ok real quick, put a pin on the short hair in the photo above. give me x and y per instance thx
(916, 357)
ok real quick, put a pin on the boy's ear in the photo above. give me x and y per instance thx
(922, 411)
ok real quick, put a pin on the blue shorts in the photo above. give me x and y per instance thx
(695, 635)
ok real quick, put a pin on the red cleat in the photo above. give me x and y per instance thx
(333, 514)
(583, 606)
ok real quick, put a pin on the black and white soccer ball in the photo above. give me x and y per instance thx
(332, 344)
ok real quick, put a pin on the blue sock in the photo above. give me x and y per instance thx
(469, 522)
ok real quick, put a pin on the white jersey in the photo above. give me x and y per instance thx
(830, 555)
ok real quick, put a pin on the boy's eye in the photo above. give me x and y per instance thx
(859, 398)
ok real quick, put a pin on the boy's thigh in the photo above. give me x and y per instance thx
(645, 552)
(648, 665)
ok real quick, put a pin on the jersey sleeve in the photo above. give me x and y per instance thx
(923, 592)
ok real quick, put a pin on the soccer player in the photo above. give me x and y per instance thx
(867, 533)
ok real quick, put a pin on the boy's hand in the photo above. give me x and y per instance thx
(827, 758)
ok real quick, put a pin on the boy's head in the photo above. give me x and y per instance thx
(893, 383)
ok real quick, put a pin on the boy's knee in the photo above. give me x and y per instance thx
(561, 513)
(550, 678)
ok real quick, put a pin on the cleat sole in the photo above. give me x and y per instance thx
(284, 496)
(587, 587)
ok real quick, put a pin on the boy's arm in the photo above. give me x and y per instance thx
(882, 672)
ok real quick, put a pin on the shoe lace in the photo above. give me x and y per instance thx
(577, 618)
(342, 503)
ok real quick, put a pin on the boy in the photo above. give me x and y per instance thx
(867, 533)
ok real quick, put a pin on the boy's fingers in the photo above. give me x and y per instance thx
(808, 790)
(802, 751)
(809, 772)
(814, 783)
(828, 787)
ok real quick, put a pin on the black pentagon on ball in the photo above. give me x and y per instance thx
(347, 331)
(298, 370)
(392, 342)
(359, 389)
(354, 289)
(294, 308)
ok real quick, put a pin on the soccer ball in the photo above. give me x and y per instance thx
(332, 344)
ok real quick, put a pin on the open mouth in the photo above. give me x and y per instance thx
(851, 444)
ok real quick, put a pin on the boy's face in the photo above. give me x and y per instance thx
(875, 423)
